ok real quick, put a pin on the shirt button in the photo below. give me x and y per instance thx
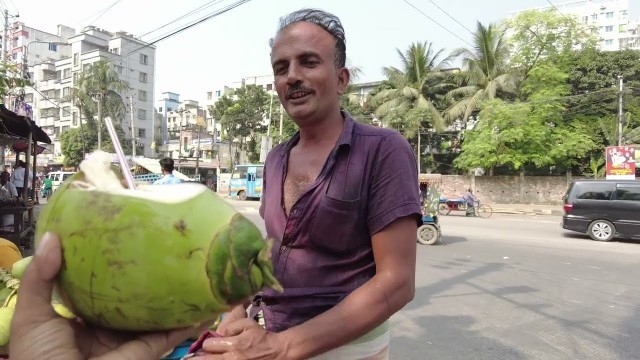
(283, 249)
(294, 211)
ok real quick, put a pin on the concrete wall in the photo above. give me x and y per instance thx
(537, 190)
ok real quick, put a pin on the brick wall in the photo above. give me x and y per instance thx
(537, 190)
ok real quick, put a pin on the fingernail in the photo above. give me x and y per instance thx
(43, 244)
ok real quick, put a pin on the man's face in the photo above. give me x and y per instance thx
(306, 78)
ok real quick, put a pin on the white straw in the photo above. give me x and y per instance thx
(121, 158)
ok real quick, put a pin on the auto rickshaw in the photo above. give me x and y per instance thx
(429, 232)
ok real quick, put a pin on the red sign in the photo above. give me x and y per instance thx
(621, 162)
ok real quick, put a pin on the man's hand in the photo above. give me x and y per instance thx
(243, 340)
(239, 312)
(37, 332)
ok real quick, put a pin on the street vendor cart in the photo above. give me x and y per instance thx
(429, 232)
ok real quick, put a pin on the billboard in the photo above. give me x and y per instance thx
(621, 162)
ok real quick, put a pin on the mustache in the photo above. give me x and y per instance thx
(296, 88)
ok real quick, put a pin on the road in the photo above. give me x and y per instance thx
(517, 287)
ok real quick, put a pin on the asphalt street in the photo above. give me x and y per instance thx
(517, 287)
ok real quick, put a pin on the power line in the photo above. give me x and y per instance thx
(105, 11)
(15, 7)
(198, 9)
(437, 23)
(99, 12)
(208, 17)
(452, 18)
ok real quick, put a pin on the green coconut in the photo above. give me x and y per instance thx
(155, 258)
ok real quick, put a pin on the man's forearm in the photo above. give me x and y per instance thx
(360, 312)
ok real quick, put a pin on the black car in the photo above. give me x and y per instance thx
(603, 209)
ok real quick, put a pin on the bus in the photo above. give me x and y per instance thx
(246, 181)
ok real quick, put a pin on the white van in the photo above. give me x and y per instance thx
(58, 177)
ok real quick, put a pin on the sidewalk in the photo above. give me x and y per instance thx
(526, 209)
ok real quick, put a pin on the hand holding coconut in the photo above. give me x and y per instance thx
(37, 332)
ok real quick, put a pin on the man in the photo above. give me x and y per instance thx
(471, 200)
(17, 177)
(7, 191)
(339, 200)
(47, 188)
(166, 166)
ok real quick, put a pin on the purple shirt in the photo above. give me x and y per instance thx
(322, 251)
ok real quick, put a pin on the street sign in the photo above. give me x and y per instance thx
(621, 162)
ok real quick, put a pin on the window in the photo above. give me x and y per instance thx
(66, 73)
(28, 98)
(118, 69)
(596, 191)
(626, 192)
(66, 111)
(76, 58)
(75, 78)
(142, 95)
(209, 95)
(160, 109)
(269, 87)
(58, 74)
(608, 42)
(217, 92)
(74, 118)
(144, 59)
(610, 15)
(608, 29)
(143, 77)
(142, 114)
(594, 17)
(115, 51)
(65, 129)
(585, 19)
(142, 133)
(66, 91)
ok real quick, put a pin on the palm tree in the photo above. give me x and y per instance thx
(80, 96)
(485, 73)
(105, 84)
(415, 87)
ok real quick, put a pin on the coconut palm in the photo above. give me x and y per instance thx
(106, 86)
(484, 75)
(80, 96)
(416, 87)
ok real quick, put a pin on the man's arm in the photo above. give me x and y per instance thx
(388, 291)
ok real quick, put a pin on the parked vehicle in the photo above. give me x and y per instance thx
(603, 209)
(246, 181)
(58, 177)
(460, 204)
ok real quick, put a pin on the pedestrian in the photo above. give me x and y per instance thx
(339, 200)
(47, 189)
(17, 177)
(7, 192)
(166, 166)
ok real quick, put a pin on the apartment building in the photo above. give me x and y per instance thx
(263, 81)
(132, 59)
(609, 18)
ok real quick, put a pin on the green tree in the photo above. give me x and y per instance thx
(71, 145)
(485, 73)
(530, 133)
(415, 87)
(10, 79)
(546, 36)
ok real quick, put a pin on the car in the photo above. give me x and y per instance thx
(58, 177)
(603, 209)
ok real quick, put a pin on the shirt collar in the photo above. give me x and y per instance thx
(344, 140)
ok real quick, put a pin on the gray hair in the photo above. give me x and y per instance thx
(328, 22)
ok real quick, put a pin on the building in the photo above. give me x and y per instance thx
(167, 102)
(263, 81)
(610, 18)
(54, 77)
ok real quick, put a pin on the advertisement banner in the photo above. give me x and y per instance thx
(621, 162)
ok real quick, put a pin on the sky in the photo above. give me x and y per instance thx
(234, 45)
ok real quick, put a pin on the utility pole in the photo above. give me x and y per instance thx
(281, 116)
(198, 151)
(620, 112)
(181, 112)
(5, 35)
(133, 134)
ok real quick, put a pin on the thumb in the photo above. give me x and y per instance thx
(34, 300)
(239, 326)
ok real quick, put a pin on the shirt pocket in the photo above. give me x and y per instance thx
(335, 224)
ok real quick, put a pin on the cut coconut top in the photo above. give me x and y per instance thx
(100, 177)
